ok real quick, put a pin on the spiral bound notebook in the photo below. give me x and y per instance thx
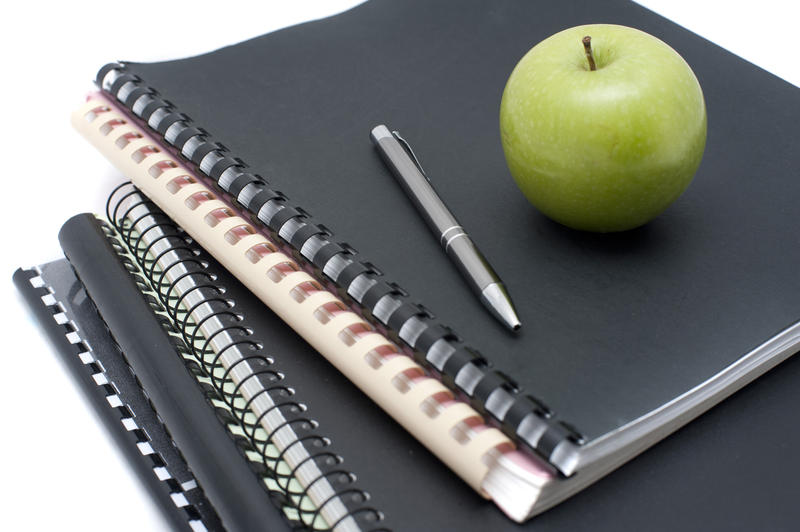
(624, 338)
(250, 393)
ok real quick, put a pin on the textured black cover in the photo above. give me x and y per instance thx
(70, 297)
(614, 325)
(238, 495)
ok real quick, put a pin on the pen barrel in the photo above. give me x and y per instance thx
(469, 260)
(456, 243)
(415, 184)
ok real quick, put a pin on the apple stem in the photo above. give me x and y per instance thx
(587, 46)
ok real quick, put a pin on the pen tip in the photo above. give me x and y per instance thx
(511, 320)
(496, 299)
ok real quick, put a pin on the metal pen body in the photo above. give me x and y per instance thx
(452, 237)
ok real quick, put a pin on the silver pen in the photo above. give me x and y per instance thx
(400, 159)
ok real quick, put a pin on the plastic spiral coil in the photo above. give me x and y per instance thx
(143, 228)
(383, 303)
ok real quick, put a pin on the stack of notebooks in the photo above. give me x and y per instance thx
(275, 340)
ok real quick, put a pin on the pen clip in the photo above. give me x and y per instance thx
(407, 147)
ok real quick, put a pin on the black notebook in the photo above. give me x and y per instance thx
(64, 310)
(626, 334)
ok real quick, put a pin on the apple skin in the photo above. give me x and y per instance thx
(609, 149)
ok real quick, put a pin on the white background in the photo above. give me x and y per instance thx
(59, 469)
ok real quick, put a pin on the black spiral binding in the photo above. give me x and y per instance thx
(386, 305)
(205, 364)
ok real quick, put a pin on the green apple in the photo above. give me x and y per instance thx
(609, 148)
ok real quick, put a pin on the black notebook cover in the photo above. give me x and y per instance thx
(241, 498)
(614, 325)
(88, 350)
